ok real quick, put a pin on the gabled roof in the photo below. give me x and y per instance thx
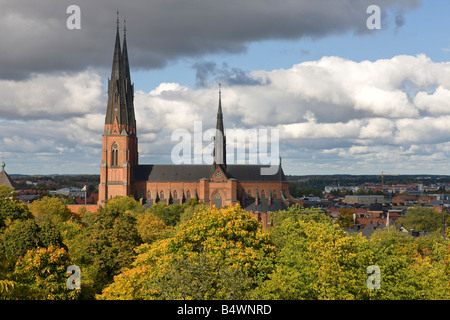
(191, 173)
(263, 205)
(252, 172)
(6, 180)
(172, 173)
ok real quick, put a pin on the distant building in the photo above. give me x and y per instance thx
(414, 199)
(363, 199)
(70, 192)
(329, 189)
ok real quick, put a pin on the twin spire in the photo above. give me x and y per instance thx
(120, 89)
(120, 109)
(219, 140)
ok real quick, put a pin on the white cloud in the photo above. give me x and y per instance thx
(332, 113)
(45, 96)
(435, 103)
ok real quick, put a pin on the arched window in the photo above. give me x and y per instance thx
(249, 194)
(115, 154)
(263, 194)
(274, 195)
(161, 195)
(149, 195)
(188, 194)
(175, 194)
(218, 200)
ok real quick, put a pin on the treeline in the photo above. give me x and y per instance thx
(59, 181)
(320, 181)
(191, 251)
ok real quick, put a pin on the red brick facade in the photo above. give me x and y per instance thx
(120, 159)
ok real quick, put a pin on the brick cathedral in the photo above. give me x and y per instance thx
(218, 184)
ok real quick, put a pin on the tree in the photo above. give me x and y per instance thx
(41, 274)
(120, 204)
(107, 242)
(422, 219)
(169, 214)
(297, 212)
(10, 208)
(218, 254)
(411, 268)
(190, 208)
(316, 260)
(50, 210)
(345, 218)
(22, 236)
(150, 227)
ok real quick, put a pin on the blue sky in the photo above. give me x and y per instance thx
(423, 32)
(345, 99)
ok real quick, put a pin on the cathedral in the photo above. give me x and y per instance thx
(217, 184)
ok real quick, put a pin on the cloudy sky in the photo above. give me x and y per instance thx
(346, 99)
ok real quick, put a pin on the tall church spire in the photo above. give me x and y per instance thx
(219, 140)
(120, 143)
(120, 109)
(129, 87)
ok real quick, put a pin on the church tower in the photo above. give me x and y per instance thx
(120, 143)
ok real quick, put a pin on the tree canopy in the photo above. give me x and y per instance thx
(193, 251)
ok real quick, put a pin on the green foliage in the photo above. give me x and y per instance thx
(297, 212)
(119, 204)
(411, 268)
(345, 218)
(422, 219)
(41, 274)
(22, 236)
(11, 209)
(107, 242)
(50, 210)
(316, 260)
(190, 208)
(151, 228)
(192, 251)
(218, 254)
(200, 277)
(170, 215)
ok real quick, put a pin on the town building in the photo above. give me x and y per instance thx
(363, 199)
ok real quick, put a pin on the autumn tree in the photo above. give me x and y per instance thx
(50, 210)
(218, 254)
(107, 241)
(411, 268)
(150, 228)
(422, 219)
(41, 275)
(169, 214)
(345, 218)
(10, 208)
(316, 260)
